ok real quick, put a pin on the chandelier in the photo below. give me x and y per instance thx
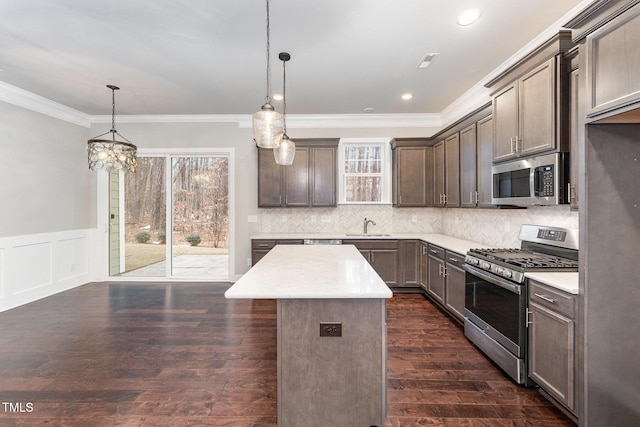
(111, 154)
(286, 150)
(268, 124)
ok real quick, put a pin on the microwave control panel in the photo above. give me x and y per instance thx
(545, 181)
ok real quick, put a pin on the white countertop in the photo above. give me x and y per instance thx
(454, 244)
(311, 272)
(564, 281)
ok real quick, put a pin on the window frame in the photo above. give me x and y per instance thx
(385, 144)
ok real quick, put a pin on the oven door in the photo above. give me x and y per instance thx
(497, 307)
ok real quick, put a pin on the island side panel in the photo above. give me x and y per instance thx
(332, 381)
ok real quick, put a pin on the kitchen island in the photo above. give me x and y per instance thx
(331, 333)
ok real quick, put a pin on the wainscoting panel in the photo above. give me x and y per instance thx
(38, 265)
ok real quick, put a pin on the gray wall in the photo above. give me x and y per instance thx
(45, 183)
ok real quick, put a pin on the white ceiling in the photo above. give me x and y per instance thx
(209, 57)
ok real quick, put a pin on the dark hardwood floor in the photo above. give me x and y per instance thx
(179, 354)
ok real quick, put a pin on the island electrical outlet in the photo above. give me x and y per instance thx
(330, 329)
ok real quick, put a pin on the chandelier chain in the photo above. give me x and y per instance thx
(113, 110)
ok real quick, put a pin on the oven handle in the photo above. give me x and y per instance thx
(505, 284)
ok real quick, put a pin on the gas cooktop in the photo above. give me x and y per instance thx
(543, 249)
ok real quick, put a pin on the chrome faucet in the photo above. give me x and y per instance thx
(366, 224)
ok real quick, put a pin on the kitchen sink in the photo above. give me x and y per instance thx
(367, 235)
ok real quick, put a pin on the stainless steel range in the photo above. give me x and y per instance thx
(496, 297)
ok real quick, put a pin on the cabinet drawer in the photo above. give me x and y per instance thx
(263, 244)
(372, 244)
(454, 258)
(436, 251)
(290, 242)
(552, 299)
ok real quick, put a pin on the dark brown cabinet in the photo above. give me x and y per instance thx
(424, 265)
(310, 181)
(382, 255)
(445, 279)
(409, 251)
(260, 247)
(574, 129)
(435, 287)
(454, 284)
(468, 166)
(484, 151)
(446, 172)
(412, 162)
(524, 114)
(529, 103)
(323, 176)
(552, 353)
(612, 84)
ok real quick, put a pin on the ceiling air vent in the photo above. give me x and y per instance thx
(426, 61)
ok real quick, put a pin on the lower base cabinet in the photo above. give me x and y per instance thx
(445, 279)
(551, 316)
(454, 284)
(260, 247)
(435, 287)
(383, 257)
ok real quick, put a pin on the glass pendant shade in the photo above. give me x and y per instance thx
(285, 152)
(111, 154)
(268, 127)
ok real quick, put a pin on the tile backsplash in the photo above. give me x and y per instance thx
(494, 227)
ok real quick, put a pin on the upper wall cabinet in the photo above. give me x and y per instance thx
(412, 162)
(309, 182)
(530, 102)
(613, 66)
(446, 172)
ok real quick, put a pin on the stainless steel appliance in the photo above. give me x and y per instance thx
(496, 297)
(532, 181)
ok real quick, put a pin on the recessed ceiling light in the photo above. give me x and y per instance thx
(426, 60)
(369, 110)
(407, 96)
(277, 97)
(468, 17)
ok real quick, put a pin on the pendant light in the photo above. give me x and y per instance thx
(112, 154)
(268, 124)
(286, 150)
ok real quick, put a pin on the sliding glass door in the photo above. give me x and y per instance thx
(175, 221)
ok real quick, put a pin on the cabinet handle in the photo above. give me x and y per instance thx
(433, 251)
(263, 245)
(511, 146)
(546, 298)
(477, 199)
(401, 199)
(529, 321)
(471, 197)
(444, 199)
(517, 143)
(571, 191)
(454, 260)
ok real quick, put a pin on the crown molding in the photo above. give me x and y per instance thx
(294, 121)
(30, 101)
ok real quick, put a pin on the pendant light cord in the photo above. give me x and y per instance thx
(284, 95)
(268, 97)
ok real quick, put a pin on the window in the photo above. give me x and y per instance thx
(365, 171)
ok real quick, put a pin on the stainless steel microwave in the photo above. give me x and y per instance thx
(532, 181)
